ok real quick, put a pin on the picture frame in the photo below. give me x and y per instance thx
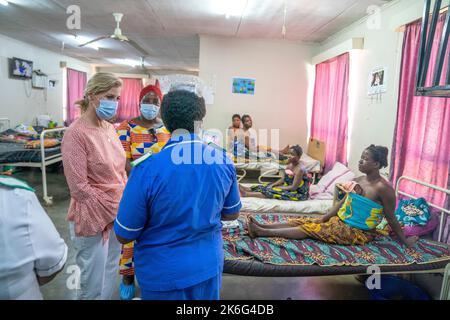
(244, 85)
(377, 81)
(20, 68)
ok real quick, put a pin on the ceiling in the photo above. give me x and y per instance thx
(169, 29)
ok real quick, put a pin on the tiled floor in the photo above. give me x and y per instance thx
(233, 287)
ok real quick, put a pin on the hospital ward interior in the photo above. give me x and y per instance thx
(224, 150)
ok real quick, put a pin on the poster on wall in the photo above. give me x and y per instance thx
(51, 84)
(377, 81)
(243, 85)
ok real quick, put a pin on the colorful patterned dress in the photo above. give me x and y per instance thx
(137, 141)
(354, 224)
(301, 194)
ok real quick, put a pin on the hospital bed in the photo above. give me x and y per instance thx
(313, 160)
(253, 257)
(259, 205)
(16, 155)
(271, 168)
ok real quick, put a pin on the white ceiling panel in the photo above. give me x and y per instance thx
(169, 29)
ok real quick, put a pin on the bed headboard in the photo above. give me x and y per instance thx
(316, 150)
(444, 211)
(5, 124)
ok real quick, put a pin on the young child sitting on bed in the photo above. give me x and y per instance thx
(353, 220)
(294, 185)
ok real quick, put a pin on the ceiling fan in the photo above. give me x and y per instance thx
(118, 35)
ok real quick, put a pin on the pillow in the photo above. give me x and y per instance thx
(410, 231)
(422, 230)
(24, 129)
(324, 189)
(339, 173)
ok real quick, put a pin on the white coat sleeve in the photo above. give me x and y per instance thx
(50, 250)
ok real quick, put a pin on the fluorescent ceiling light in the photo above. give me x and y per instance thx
(127, 62)
(81, 40)
(4, 2)
(131, 63)
(230, 8)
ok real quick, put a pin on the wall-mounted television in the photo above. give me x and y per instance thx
(20, 68)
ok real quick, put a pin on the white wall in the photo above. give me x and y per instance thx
(281, 72)
(14, 102)
(372, 121)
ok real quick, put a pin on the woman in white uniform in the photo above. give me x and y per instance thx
(32, 251)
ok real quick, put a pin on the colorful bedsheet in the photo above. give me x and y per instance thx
(28, 141)
(13, 136)
(383, 251)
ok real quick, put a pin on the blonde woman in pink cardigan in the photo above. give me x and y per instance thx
(94, 166)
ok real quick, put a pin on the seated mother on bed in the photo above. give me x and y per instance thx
(294, 185)
(354, 219)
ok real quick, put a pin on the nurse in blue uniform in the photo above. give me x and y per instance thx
(173, 205)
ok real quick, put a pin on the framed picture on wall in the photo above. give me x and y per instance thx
(377, 81)
(243, 85)
(20, 68)
(52, 84)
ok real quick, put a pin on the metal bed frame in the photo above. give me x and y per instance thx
(444, 211)
(274, 173)
(445, 291)
(45, 161)
(270, 173)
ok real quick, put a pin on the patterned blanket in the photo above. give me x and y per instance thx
(382, 251)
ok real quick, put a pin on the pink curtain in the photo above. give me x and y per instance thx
(76, 82)
(421, 146)
(330, 108)
(129, 99)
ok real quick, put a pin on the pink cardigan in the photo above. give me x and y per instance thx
(94, 166)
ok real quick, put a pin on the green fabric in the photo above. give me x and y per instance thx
(137, 162)
(14, 183)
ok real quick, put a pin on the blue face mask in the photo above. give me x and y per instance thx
(149, 111)
(106, 109)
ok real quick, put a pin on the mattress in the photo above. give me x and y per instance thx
(294, 258)
(259, 205)
(16, 152)
(261, 165)
(284, 206)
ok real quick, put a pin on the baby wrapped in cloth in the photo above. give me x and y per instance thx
(354, 224)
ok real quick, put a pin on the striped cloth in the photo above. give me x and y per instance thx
(137, 140)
